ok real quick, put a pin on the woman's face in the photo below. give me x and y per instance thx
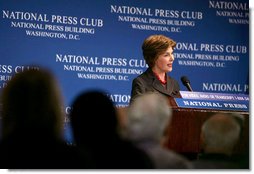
(164, 63)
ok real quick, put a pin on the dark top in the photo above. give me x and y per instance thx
(147, 82)
(118, 154)
(218, 161)
(19, 152)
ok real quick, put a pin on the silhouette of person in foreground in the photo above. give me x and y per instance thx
(219, 135)
(32, 124)
(95, 129)
(147, 118)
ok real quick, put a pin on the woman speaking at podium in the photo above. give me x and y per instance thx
(158, 54)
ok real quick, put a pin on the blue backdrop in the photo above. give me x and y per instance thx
(97, 44)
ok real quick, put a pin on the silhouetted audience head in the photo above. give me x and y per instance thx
(148, 117)
(219, 134)
(32, 105)
(32, 122)
(95, 128)
(93, 118)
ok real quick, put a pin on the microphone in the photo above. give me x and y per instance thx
(186, 82)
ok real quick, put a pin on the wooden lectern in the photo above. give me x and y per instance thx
(183, 133)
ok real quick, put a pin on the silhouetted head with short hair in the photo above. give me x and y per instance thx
(148, 117)
(220, 133)
(93, 118)
(95, 128)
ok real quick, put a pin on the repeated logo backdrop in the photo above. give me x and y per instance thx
(97, 44)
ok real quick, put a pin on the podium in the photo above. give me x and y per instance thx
(183, 133)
